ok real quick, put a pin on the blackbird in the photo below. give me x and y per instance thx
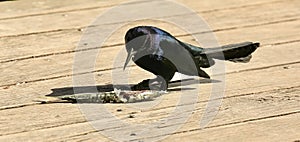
(160, 53)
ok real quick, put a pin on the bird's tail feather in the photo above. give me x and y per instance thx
(240, 52)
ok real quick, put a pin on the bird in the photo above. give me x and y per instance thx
(157, 51)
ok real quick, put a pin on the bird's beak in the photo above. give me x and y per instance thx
(129, 56)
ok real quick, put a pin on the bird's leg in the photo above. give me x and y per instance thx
(158, 83)
(202, 73)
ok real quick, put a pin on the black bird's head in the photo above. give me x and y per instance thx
(137, 41)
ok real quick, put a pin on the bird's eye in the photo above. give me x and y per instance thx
(138, 42)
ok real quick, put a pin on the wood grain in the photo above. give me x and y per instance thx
(38, 40)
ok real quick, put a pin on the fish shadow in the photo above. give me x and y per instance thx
(179, 85)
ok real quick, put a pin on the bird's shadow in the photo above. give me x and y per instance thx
(173, 86)
(6, 0)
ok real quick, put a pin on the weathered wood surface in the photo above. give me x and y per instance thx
(38, 41)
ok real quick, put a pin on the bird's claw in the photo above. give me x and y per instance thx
(144, 85)
(157, 84)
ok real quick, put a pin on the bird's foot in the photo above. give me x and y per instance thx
(144, 85)
(151, 84)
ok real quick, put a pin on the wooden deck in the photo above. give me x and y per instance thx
(38, 40)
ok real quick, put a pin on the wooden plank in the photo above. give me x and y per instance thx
(25, 8)
(241, 110)
(28, 92)
(31, 8)
(44, 44)
(17, 71)
(285, 128)
(69, 20)
(262, 96)
(235, 111)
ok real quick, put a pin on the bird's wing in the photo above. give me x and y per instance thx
(182, 56)
(194, 50)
